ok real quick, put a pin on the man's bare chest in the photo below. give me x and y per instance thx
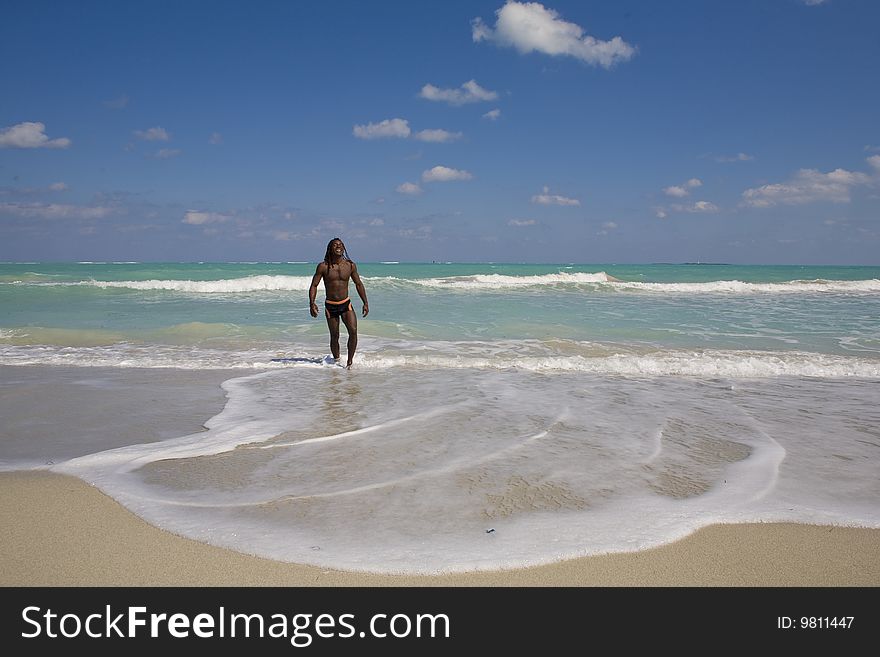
(337, 273)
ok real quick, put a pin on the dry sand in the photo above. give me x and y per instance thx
(56, 530)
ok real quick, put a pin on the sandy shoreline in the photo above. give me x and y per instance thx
(56, 530)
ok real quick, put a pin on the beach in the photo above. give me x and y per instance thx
(503, 425)
(56, 530)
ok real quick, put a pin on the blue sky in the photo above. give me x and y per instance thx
(630, 131)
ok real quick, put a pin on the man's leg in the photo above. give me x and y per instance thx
(351, 325)
(333, 325)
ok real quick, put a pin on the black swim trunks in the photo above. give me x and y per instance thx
(338, 308)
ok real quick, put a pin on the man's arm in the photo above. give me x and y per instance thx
(359, 286)
(313, 288)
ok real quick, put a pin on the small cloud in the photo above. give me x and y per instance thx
(695, 208)
(531, 27)
(444, 174)
(120, 102)
(522, 222)
(216, 138)
(56, 211)
(675, 190)
(698, 207)
(420, 233)
(492, 115)
(554, 199)
(409, 189)
(809, 186)
(680, 191)
(437, 135)
(165, 153)
(153, 134)
(30, 135)
(607, 227)
(197, 218)
(377, 221)
(58, 187)
(702, 206)
(739, 157)
(814, 3)
(872, 149)
(469, 92)
(387, 128)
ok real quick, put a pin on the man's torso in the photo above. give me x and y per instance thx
(336, 279)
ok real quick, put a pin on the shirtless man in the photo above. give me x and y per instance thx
(336, 270)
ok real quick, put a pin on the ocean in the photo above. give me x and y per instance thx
(496, 416)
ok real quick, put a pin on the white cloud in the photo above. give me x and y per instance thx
(522, 222)
(469, 92)
(675, 190)
(695, 208)
(814, 3)
(30, 135)
(437, 135)
(153, 134)
(215, 138)
(809, 186)
(387, 128)
(408, 188)
(196, 218)
(420, 233)
(165, 153)
(444, 174)
(492, 115)
(607, 227)
(58, 187)
(553, 199)
(680, 191)
(531, 27)
(702, 206)
(56, 211)
(739, 157)
(698, 207)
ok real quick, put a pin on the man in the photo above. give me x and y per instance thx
(336, 270)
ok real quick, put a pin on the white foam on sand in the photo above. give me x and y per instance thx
(408, 473)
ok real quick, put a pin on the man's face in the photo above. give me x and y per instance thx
(337, 247)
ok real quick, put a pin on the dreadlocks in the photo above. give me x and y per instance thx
(344, 250)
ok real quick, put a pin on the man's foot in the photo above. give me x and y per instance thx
(348, 367)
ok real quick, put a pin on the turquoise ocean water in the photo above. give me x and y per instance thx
(572, 409)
